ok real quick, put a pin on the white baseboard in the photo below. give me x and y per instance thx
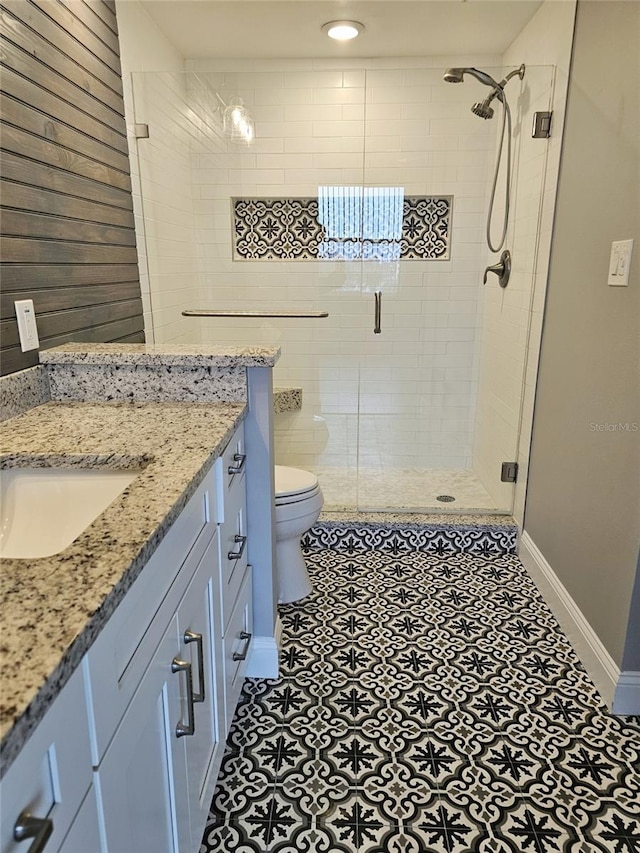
(264, 657)
(595, 658)
(626, 699)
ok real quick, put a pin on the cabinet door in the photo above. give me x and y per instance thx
(52, 774)
(142, 780)
(199, 628)
(83, 837)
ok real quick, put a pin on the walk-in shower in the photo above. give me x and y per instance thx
(485, 111)
(360, 185)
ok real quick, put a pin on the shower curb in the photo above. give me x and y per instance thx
(487, 538)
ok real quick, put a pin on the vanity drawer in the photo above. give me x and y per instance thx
(236, 643)
(233, 549)
(52, 774)
(229, 470)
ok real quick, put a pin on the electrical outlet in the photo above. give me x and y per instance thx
(27, 328)
(619, 263)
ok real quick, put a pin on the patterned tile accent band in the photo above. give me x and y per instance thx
(438, 539)
(343, 223)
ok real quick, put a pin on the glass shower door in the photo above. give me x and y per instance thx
(441, 384)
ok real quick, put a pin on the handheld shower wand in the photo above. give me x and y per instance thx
(484, 110)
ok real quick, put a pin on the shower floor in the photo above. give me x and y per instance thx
(403, 489)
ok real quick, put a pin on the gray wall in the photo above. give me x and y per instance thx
(583, 501)
(68, 238)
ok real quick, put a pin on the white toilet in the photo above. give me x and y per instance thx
(299, 501)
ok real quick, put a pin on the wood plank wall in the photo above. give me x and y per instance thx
(67, 228)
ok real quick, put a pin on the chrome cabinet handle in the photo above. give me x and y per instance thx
(39, 828)
(240, 459)
(377, 328)
(192, 637)
(178, 665)
(242, 541)
(246, 636)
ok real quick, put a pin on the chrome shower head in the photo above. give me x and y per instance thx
(483, 109)
(453, 75)
(456, 75)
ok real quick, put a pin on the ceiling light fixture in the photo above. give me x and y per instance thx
(342, 30)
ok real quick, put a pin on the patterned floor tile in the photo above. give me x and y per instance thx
(615, 829)
(241, 787)
(320, 679)
(234, 838)
(428, 703)
(356, 703)
(304, 839)
(528, 827)
(253, 722)
(480, 795)
(422, 705)
(316, 787)
(445, 827)
(357, 824)
(319, 728)
(396, 791)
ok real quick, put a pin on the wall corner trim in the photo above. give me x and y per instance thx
(626, 700)
(599, 664)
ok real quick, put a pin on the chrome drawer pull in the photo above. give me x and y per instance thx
(246, 636)
(192, 637)
(38, 828)
(178, 665)
(240, 458)
(240, 540)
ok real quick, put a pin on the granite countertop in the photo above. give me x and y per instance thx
(184, 355)
(54, 607)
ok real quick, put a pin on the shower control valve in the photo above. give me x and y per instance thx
(502, 269)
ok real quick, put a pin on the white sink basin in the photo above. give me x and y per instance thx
(42, 510)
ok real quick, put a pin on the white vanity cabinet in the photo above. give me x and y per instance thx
(164, 691)
(154, 687)
(51, 781)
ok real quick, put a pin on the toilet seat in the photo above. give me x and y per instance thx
(293, 485)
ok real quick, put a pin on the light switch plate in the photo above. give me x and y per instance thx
(619, 263)
(27, 328)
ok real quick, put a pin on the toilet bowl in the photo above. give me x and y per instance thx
(298, 499)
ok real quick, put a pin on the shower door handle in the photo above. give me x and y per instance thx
(377, 328)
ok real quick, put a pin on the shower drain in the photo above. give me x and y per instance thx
(445, 499)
